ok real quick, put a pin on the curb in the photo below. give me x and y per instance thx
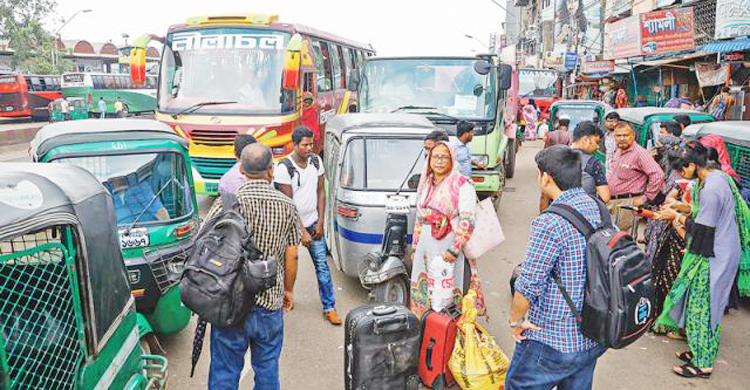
(17, 136)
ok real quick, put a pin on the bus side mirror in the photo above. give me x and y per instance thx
(482, 67)
(413, 182)
(353, 83)
(504, 74)
(138, 65)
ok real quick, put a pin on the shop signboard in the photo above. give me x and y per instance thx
(667, 31)
(732, 18)
(623, 38)
(590, 67)
(571, 60)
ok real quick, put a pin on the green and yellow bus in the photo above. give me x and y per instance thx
(92, 86)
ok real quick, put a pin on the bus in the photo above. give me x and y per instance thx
(542, 85)
(28, 95)
(93, 86)
(226, 75)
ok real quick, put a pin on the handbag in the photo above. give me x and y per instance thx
(440, 224)
(487, 231)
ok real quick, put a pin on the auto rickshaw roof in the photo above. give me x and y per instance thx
(597, 103)
(342, 123)
(100, 130)
(639, 114)
(736, 132)
(31, 189)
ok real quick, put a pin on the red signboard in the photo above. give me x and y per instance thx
(667, 31)
(590, 67)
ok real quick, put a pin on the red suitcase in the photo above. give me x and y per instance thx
(438, 338)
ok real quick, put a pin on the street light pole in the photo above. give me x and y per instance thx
(477, 39)
(57, 34)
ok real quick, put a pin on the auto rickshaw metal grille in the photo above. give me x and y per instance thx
(740, 157)
(42, 331)
(159, 259)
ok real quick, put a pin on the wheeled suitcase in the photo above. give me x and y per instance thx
(381, 348)
(438, 339)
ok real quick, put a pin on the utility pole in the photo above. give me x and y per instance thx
(58, 37)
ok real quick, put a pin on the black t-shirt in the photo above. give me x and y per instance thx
(596, 170)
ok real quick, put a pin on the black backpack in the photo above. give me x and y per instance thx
(287, 162)
(618, 299)
(225, 269)
(587, 181)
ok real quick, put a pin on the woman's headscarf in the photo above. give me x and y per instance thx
(716, 142)
(442, 197)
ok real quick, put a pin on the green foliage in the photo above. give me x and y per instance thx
(21, 24)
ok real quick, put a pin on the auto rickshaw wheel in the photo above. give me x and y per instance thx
(395, 289)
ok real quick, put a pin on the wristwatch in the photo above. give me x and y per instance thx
(517, 324)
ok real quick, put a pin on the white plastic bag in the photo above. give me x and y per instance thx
(440, 283)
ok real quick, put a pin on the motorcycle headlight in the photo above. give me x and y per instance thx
(373, 261)
(176, 265)
(482, 159)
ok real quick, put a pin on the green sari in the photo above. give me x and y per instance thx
(693, 283)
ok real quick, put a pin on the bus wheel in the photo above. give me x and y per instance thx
(510, 163)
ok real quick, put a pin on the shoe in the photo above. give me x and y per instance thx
(332, 317)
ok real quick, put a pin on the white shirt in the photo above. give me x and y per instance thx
(305, 190)
(64, 106)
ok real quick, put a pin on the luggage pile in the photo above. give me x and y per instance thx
(388, 347)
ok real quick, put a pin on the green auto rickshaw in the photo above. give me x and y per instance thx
(146, 168)
(77, 109)
(68, 320)
(736, 136)
(578, 111)
(646, 121)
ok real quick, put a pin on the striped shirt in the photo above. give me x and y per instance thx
(634, 171)
(273, 222)
(556, 247)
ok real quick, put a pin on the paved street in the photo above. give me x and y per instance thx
(313, 350)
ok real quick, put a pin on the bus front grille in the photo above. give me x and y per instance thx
(213, 168)
(213, 137)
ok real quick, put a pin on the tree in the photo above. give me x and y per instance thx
(21, 25)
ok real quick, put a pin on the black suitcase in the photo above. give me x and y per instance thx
(381, 348)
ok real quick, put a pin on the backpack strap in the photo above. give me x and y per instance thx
(315, 160)
(565, 295)
(574, 217)
(229, 201)
(287, 162)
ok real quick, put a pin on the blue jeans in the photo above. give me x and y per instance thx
(537, 366)
(319, 256)
(263, 332)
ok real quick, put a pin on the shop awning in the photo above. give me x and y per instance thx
(672, 59)
(726, 46)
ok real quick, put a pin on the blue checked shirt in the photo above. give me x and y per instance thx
(555, 246)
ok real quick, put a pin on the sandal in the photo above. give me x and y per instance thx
(675, 336)
(688, 370)
(686, 356)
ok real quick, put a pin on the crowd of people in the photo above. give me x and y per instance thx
(697, 240)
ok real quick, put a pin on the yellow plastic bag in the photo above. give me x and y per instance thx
(477, 362)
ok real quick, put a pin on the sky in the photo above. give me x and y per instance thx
(393, 27)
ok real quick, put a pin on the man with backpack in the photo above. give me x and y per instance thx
(721, 104)
(272, 220)
(551, 350)
(301, 177)
(586, 139)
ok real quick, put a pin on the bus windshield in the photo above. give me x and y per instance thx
(537, 83)
(240, 66)
(448, 86)
(145, 187)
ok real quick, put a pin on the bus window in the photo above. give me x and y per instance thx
(109, 82)
(336, 66)
(345, 67)
(124, 84)
(34, 83)
(323, 66)
(49, 84)
(349, 57)
(307, 82)
(151, 82)
(98, 82)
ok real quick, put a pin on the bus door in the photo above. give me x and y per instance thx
(325, 84)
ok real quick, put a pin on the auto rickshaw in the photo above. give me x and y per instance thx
(146, 168)
(646, 121)
(578, 111)
(67, 317)
(77, 109)
(736, 136)
(373, 163)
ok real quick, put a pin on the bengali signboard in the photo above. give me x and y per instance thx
(623, 38)
(732, 18)
(667, 31)
(589, 67)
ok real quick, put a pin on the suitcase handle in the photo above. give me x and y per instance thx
(382, 322)
(428, 354)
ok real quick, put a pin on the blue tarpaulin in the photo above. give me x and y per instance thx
(727, 46)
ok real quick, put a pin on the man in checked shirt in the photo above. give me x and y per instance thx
(634, 177)
(550, 349)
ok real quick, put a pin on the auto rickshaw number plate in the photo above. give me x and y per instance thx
(136, 238)
(397, 204)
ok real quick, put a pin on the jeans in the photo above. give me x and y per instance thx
(319, 256)
(263, 332)
(537, 366)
